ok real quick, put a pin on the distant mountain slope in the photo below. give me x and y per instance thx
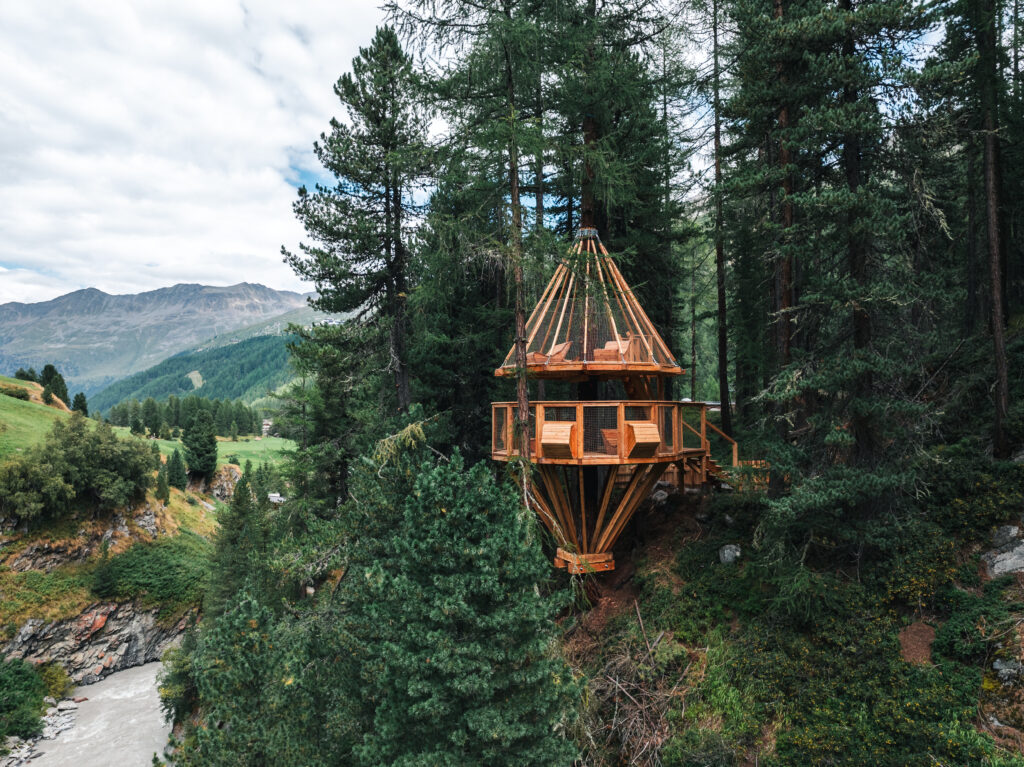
(244, 370)
(95, 338)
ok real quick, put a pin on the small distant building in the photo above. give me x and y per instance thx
(276, 498)
(267, 423)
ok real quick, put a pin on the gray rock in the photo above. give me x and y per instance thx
(50, 700)
(1005, 560)
(147, 521)
(67, 705)
(729, 553)
(1007, 670)
(1004, 535)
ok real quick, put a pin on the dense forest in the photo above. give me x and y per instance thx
(245, 370)
(812, 201)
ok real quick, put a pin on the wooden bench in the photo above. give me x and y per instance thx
(555, 354)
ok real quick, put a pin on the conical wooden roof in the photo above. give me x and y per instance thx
(589, 322)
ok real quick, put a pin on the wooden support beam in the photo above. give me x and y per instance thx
(551, 485)
(627, 508)
(638, 474)
(606, 496)
(583, 509)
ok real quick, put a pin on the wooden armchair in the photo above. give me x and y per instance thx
(556, 353)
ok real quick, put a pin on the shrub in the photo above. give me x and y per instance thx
(169, 572)
(55, 678)
(79, 462)
(15, 391)
(47, 395)
(21, 700)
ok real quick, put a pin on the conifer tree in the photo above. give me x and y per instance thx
(201, 446)
(163, 490)
(362, 225)
(176, 474)
(240, 537)
(151, 415)
(80, 404)
(236, 665)
(465, 670)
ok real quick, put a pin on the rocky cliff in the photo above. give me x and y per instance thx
(106, 637)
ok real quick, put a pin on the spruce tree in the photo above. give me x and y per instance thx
(176, 474)
(151, 415)
(201, 446)
(466, 674)
(235, 667)
(163, 490)
(240, 537)
(80, 404)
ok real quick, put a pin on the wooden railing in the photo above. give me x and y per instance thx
(601, 432)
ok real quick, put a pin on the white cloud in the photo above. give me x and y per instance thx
(148, 143)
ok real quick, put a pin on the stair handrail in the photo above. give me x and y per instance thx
(735, 445)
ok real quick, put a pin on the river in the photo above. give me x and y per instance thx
(121, 724)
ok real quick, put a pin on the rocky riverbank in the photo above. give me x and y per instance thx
(106, 637)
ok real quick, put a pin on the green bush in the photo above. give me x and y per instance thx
(55, 678)
(21, 700)
(169, 572)
(79, 463)
(15, 391)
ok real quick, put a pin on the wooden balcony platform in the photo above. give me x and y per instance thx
(604, 432)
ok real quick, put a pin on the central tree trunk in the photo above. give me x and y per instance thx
(723, 331)
(522, 430)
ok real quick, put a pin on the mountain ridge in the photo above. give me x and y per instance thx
(96, 338)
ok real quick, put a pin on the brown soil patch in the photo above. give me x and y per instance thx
(916, 643)
(35, 393)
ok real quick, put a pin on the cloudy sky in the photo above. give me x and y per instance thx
(144, 143)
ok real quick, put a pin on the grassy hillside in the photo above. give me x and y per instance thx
(266, 450)
(23, 424)
(245, 370)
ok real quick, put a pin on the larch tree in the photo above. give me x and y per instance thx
(361, 227)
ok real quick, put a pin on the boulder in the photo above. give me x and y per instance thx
(1004, 535)
(1006, 559)
(729, 553)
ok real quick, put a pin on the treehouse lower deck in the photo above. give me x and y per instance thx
(604, 432)
(595, 462)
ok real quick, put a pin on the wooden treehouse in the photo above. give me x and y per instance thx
(597, 459)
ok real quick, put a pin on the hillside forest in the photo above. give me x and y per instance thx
(814, 201)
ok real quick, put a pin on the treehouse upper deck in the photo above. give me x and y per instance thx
(589, 324)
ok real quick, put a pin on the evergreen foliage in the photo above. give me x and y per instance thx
(21, 699)
(80, 405)
(463, 670)
(239, 551)
(362, 225)
(163, 489)
(176, 474)
(246, 370)
(200, 445)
